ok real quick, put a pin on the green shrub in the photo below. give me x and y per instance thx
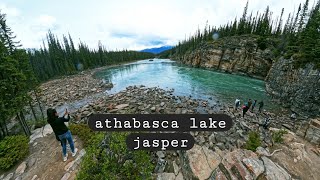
(262, 43)
(83, 132)
(12, 150)
(277, 136)
(253, 141)
(119, 163)
(37, 123)
(40, 123)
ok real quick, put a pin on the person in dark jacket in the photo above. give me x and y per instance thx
(253, 105)
(260, 106)
(249, 103)
(245, 108)
(61, 131)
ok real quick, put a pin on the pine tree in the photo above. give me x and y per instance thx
(6, 35)
(310, 37)
(241, 29)
(303, 16)
(278, 32)
(294, 26)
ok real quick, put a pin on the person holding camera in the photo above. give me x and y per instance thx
(61, 131)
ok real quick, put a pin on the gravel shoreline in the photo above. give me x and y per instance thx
(140, 99)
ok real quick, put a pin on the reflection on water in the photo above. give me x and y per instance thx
(186, 81)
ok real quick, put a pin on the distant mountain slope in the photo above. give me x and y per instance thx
(157, 50)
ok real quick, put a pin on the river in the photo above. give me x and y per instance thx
(216, 87)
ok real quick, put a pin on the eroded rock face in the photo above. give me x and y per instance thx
(274, 171)
(40, 132)
(21, 168)
(254, 165)
(204, 163)
(238, 55)
(298, 89)
(198, 163)
(166, 176)
(310, 131)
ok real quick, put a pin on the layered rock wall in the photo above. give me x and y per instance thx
(237, 55)
(298, 89)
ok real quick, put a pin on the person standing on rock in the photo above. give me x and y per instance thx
(245, 108)
(62, 131)
(253, 105)
(249, 103)
(260, 106)
(237, 103)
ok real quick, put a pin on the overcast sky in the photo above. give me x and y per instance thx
(129, 24)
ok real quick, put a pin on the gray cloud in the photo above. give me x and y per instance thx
(129, 24)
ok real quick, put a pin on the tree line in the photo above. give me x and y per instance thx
(16, 79)
(61, 58)
(22, 71)
(297, 37)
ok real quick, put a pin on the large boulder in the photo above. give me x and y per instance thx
(232, 164)
(313, 132)
(198, 162)
(40, 132)
(254, 165)
(166, 176)
(274, 171)
(21, 168)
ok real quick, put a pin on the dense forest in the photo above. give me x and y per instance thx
(58, 58)
(21, 71)
(16, 79)
(298, 36)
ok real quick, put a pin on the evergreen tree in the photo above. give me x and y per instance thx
(6, 35)
(303, 16)
(241, 29)
(297, 37)
(278, 32)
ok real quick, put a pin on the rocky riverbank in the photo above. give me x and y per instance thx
(143, 100)
(216, 154)
(71, 88)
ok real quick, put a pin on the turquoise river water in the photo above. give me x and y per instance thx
(204, 84)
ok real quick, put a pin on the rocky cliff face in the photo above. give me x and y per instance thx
(298, 89)
(239, 55)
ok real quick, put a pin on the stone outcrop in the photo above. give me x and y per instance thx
(45, 159)
(297, 157)
(310, 131)
(40, 132)
(239, 55)
(298, 89)
(203, 163)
